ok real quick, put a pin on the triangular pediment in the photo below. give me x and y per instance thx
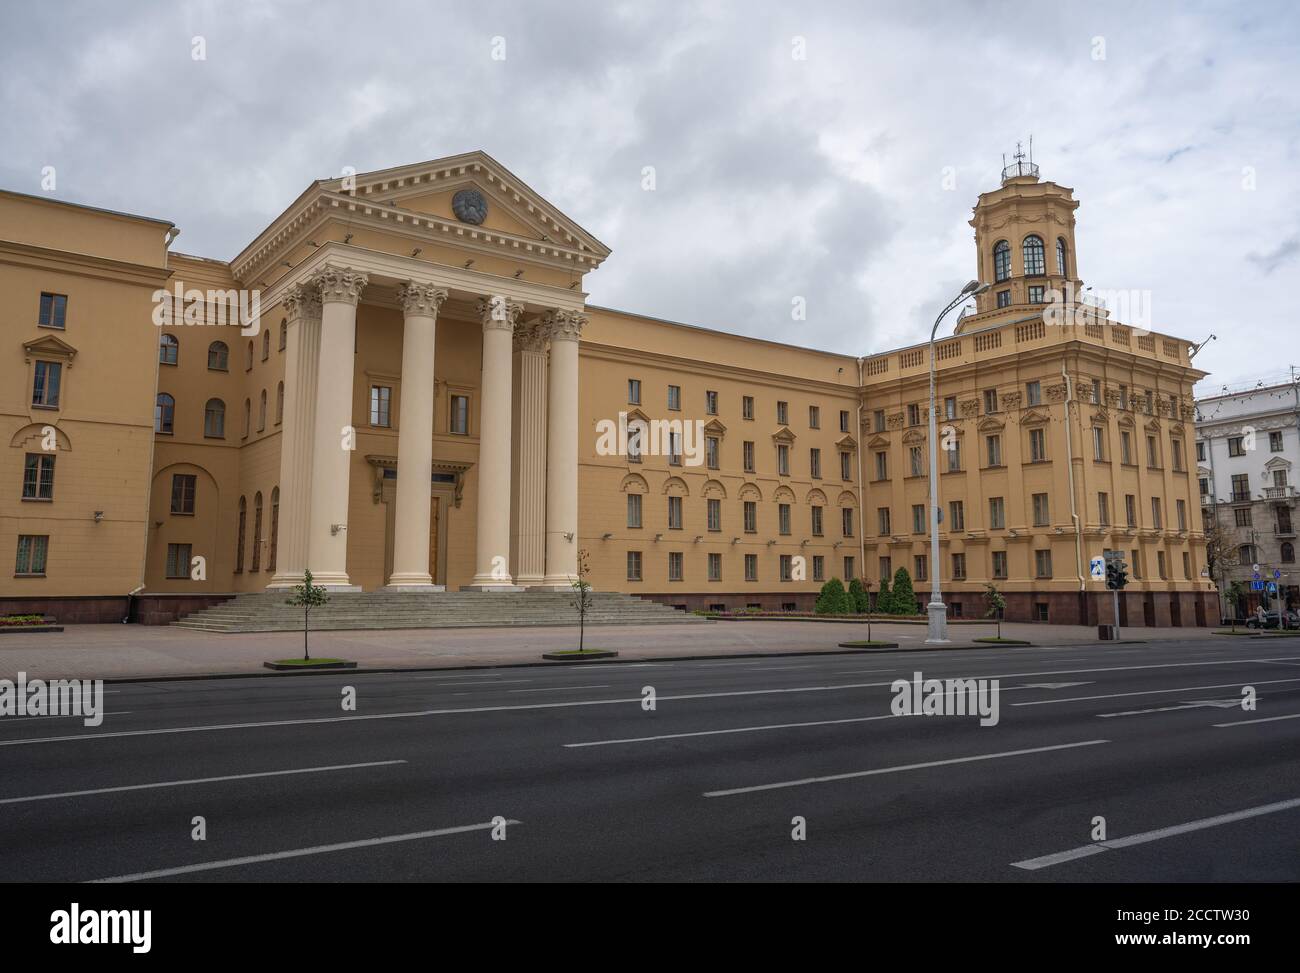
(912, 437)
(1277, 463)
(783, 435)
(1126, 421)
(49, 346)
(1101, 415)
(989, 424)
(878, 442)
(715, 428)
(1152, 425)
(1034, 417)
(846, 442)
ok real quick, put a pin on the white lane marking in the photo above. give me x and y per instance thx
(198, 780)
(1262, 719)
(900, 769)
(488, 682)
(1153, 692)
(300, 852)
(556, 689)
(1053, 685)
(736, 729)
(1033, 864)
(1190, 704)
(61, 716)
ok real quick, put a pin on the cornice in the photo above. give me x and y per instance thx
(105, 268)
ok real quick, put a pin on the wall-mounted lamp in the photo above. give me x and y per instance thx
(568, 536)
(99, 515)
(606, 536)
(338, 528)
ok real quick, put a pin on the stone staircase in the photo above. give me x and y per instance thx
(267, 611)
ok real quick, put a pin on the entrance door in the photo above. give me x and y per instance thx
(433, 538)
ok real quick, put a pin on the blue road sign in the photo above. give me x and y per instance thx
(1257, 586)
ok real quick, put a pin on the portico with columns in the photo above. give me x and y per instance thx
(470, 444)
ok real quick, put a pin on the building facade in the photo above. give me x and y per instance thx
(421, 397)
(1247, 449)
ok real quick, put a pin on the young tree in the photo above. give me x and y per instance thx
(904, 598)
(866, 597)
(858, 596)
(884, 598)
(995, 604)
(833, 600)
(307, 596)
(582, 597)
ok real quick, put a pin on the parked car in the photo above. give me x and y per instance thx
(1290, 620)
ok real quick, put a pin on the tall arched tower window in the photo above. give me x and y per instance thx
(1062, 265)
(239, 544)
(1035, 260)
(257, 531)
(1001, 260)
(275, 528)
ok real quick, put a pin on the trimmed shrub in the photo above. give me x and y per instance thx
(833, 600)
(858, 596)
(884, 598)
(903, 601)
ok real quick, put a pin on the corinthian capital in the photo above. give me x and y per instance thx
(530, 337)
(421, 299)
(341, 284)
(301, 301)
(499, 313)
(561, 325)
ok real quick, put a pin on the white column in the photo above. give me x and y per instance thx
(415, 439)
(302, 358)
(564, 328)
(492, 563)
(528, 500)
(334, 436)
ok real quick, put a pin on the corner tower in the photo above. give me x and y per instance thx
(1024, 238)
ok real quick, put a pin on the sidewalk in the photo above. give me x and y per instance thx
(140, 651)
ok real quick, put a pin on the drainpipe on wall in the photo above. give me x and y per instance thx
(862, 490)
(1069, 460)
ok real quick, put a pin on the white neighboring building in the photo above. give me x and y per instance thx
(1248, 464)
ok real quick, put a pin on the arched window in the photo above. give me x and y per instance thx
(266, 345)
(1062, 265)
(279, 403)
(1001, 260)
(248, 358)
(164, 413)
(1035, 260)
(248, 416)
(1288, 553)
(284, 334)
(257, 531)
(218, 357)
(169, 349)
(261, 413)
(275, 528)
(239, 544)
(214, 419)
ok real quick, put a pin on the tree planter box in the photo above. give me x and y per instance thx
(310, 666)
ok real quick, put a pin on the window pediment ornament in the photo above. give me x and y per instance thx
(1126, 422)
(1034, 417)
(1152, 425)
(634, 483)
(990, 424)
(783, 435)
(750, 491)
(1100, 415)
(846, 442)
(783, 494)
(815, 498)
(878, 442)
(380, 463)
(715, 428)
(713, 490)
(675, 486)
(912, 437)
(49, 346)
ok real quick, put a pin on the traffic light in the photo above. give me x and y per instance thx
(1116, 575)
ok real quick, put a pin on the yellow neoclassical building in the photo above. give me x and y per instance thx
(399, 384)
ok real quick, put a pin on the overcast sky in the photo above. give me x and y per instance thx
(776, 176)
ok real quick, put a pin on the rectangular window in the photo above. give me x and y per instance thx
(913, 414)
(459, 422)
(183, 487)
(1036, 294)
(1037, 445)
(844, 420)
(54, 310)
(783, 412)
(1103, 509)
(381, 397)
(1033, 393)
(715, 567)
(783, 518)
(990, 401)
(1200, 452)
(956, 515)
(1099, 443)
(674, 513)
(715, 514)
(1126, 447)
(1004, 298)
(1160, 566)
(32, 551)
(674, 565)
(1130, 510)
(882, 465)
(634, 510)
(816, 521)
(1153, 453)
(954, 456)
(850, 568)
(1041, 611)
(675, 398)
(1235, 447)
(634, 565)
(1181, 507)
(178, 561)
(878, 420)
(819, 567)
(1275, 442)
(997, 513)
(45, 387)
(747, 407)
(674, 448)
(886, 568)
(814, 417)
(918, 518)
(38, 477)
(916, 465)
(1123, 398)
(1043, 564)
(815, 463)
(958, 567)
(1204, 483)
(921, 564)
(882, 521)
(994, 450)
(846, 521)
(1041, 518)
(711, 452)
(1187, 565)
(634, 391)
(1095, 397)
(711, 403)
(787, 567)
(751, 567)
(783, 459)
(1240, 487)
(751, 516)
(950, 407)
(747, 452)
(999, 564)
(1155, 513)
(846, 466)
(1241, 516)
(1176, 453)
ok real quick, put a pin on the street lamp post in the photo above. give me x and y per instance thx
(937, 629)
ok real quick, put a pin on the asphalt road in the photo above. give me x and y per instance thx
(703, 787)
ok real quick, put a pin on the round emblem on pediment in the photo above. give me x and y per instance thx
(469, 206)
